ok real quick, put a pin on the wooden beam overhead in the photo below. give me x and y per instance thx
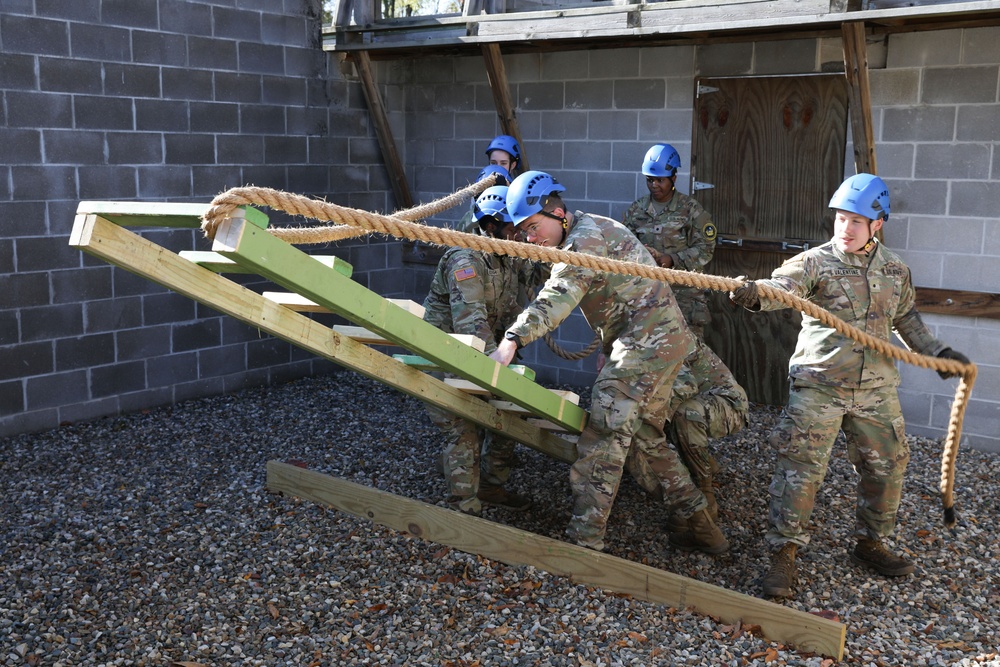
(397, 175)
(859, 96)
(497, 75)
(805, 631)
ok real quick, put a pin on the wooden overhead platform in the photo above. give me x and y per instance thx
(805, 631)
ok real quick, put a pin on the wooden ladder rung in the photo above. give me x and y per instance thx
(219, 264)
(301, 304)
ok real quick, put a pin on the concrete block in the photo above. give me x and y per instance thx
(266, 176)
(475, 124)
(960, 161)
(640, 94)
(82, 10)
(283, 90)
(160, 48)
(588, 155)
(963, 236)
(105, 113)
(196, 335)
(991, 241)
(221, 361)
(132, 13)
(966, 272)
(790, 56)
(916, 405)
(48, 322)
(978, 122)
(45, 253)
(453, 97)
(894, 87)
(117, 379)
(261, 58)
(211, 53)
(430, 126)
(609, 186)
(171, 369)
(456, 153)
(259, 119)
(23, 218)
(895, 160)
(566, 125)
(43, 182)
(919, 124)
(128, 284)
(74, 285)
(564, 65)
(915, 49)
(959, 85)
(224, 117)
(615, 65)
(680, 93)
(11, 397)
(667, 125)
(285, 150)
(267, 352)
(6, 255)
(101, 42)
(304, 62)
(724, 59)
(186, 84)
(667, 61)
(981, 45)
(39, 110)
(30, 34)
(347, 124)
(926, 268)
(161, 116)
(974, 199)
(29, 359)
(923, 197)
(112, 314)
(207, 182)
(66, 75)
(309, 180)
(612, 125)
(49, 391)
(467, 70)
(548, 156)
(523, 67)
(433, 70)
(101, 183)
(85, 351)
(589, 95)
(540, 96)
(166, 308)
(17, 71)
(236, 23)
(131, 80)
(134, 148)
(628, 156)
(21, 146)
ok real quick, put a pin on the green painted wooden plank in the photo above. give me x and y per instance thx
(158, 214)
(292, 269)
(213, 261)
(423, 364)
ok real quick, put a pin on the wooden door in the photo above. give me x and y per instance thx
(773, 150)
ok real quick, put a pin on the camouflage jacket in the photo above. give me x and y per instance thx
(683, 229)
(704, 373)
(473, 293)
(638, 320)
(875, 294)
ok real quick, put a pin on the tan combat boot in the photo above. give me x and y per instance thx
(705, 485)
(781, 577)
(702, 535)
(873, 555)
(501, 497)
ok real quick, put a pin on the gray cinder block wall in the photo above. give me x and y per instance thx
(589, 116)
(155, 100)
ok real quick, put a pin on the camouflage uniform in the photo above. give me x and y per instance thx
(707, 402)
(839, 384)
(472, 293)
(645, 340)
(684, 231)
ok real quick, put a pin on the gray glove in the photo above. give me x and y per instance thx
(948, 353)
(746, 294)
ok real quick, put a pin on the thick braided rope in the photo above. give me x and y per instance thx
(560, 351)
(224, 204)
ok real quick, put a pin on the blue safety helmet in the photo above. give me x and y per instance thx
(527, 194)
(492, 203)
(864, 194)
(505, 142)
(662, 161)
(502, 175)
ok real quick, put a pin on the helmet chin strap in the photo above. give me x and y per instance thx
(870, 245)
(562, 219)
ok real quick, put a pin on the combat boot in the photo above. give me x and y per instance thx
(501, 497)
(781, 577)
(702, 535)
(705, 485)
(873, 555)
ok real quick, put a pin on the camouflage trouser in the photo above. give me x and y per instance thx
(472, 455)
(623, 414)
(693, 423)
(693, 303)
(876, 444)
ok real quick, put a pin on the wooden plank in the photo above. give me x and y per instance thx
(287, 266)
(213, 261)
(496, 73)
(958, 302)
(121, 247)
(805, 631)
(301, 304)
(467, 387)
(419, 362)
(362, 335)
(397, 175)
(859, 95)
(138, 214)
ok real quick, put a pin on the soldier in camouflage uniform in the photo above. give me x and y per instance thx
(837, 384)
(645, 341)
(476, 293)
(676, 230)
(707, 402)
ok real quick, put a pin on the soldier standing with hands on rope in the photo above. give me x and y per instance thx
(675, 228)
(837, 384)
(645, 341)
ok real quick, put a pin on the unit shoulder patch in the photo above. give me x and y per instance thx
(709, 231)
(465, 273)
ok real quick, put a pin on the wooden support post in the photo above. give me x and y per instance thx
(252, 246)
(103, 239)
(497, 76)
(859, 96)
(806, 631)
(397, 176)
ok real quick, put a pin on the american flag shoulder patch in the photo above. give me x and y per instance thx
(465, 273)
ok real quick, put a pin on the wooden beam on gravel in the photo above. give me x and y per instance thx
(117, 245)
(509, 545)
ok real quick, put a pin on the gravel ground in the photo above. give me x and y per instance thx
(150, 540)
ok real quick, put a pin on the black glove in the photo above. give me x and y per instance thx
(948, 353)
(746, 294)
